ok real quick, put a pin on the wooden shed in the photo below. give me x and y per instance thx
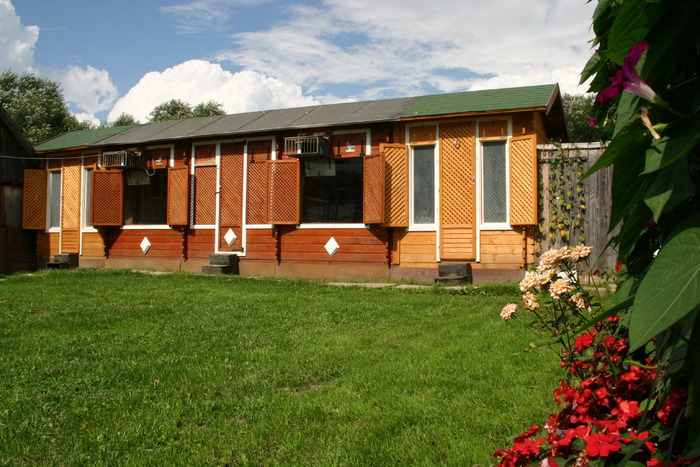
(377, 189)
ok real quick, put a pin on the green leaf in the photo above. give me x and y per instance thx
(593, 66)
(632, 25)
(631, 138)
(678, 140)
(669, 188)
(671, 288)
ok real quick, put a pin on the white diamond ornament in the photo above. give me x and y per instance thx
(332, 246)
(230, 237)
(145, 245)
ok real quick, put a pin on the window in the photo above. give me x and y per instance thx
(332, 190)
(423, 169)
(87, 196)
(494, 175)
(145, 197)
(54, 199)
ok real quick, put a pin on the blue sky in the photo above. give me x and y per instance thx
(130, 55)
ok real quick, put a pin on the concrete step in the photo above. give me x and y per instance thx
(57, 265)
(71, 259)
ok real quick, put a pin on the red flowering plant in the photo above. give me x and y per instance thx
(610, 410)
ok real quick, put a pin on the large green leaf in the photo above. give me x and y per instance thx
(631, 138)
(632, 24)
(671, 288)
(670, 187)
(678, 140)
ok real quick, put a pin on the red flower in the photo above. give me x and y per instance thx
(585, 340)
(598, 444)
(673, 404)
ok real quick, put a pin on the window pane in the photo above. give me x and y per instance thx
(332, 191)
(55, 197)
(88, 195)
(146, 197)
(494, 192)
(424, 185)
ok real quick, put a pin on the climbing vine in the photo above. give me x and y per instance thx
(563, 200)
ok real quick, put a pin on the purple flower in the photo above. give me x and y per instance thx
(591, 122)
(627, 79)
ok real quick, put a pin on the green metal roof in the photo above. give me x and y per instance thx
(79, 138)
(318, 116)
(483, 101)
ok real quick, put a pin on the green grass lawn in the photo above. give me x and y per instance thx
(105, 367)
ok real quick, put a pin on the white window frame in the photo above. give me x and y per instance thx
(480, 176)
(412, 225)
(50, 192)
(85, 210)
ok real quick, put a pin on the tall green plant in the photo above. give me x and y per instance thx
(646, 71)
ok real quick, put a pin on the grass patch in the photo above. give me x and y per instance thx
(112, 367)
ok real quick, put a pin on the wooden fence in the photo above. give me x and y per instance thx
(574, 210)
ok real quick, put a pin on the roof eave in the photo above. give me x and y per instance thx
(473, 113)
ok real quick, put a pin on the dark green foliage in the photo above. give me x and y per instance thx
(124, 120)
(578, 109)
(37, 106)
(176, 109)
(656, 187)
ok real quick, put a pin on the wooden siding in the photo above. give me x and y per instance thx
(523, 180)
(165, 243)
(34, 200)
(93, 246)
(507, 249)
(237, 245)
(200, 243)
(373, 189)
(284, 192)
(356, 245)
(47, 244)
(422, 134)
(70, 194)
(495, 128)
(231, 185)
(396, 185)
(417, 249)
(178, 200)
(261, 244)
(107, 205)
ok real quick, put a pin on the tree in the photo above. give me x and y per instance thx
(208, 109)
(36, 105)
(124, 120)
(175, 109)
(578, 109)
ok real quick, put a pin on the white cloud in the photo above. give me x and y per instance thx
(197, 81)
(408, 47)
(90, 89)
(204, 15)
(16, 40)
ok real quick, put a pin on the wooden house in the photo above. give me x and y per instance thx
(379, 189)
(16, 154)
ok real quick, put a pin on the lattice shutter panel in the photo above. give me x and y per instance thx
(178, 196)
(396, 184)
(70, 194)
(107, 197)
(457, 191)
(205, 195)
(257, 193)
(284, 192)
(231, 197)
(373, 189)
(34, 202)
(523, 180)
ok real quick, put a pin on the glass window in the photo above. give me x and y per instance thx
(145, 197)
(332, 191)
(424, 185)
(55, 199)
(87, 180)
(494, 194)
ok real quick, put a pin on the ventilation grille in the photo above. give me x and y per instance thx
(308, 146)
(122, 160)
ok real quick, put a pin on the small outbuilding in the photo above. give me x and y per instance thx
(378, 189)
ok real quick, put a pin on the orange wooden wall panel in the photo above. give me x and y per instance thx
(93, 246)
(165, 243)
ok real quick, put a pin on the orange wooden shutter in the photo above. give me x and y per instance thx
(284, 192)
(256, 208)
(178, 196)
(205, 195)
(373, 189)
(34, 202)
(106, 204)
(396, 184)
(231, 198)
(523, 180)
